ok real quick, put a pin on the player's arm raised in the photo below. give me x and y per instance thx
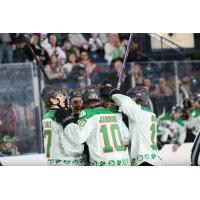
(125, 103)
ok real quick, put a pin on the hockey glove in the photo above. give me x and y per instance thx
(64, 117)
(107, 92)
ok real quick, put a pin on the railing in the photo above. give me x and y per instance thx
(166, 44)
(165, 49)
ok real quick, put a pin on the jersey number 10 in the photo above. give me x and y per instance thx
(115, 132)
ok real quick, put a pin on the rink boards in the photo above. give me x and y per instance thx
(179, 158)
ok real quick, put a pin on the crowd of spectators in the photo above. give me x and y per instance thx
(83, 59)
(72, 57)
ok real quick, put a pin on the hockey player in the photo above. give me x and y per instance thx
(102, 129)
(194, 119)
(76, 104)
(194, 124)
(75, 101)
(59, 150)
(142, 125)
(173, 127)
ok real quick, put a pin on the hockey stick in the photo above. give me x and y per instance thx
(37, 60)
(124, 62)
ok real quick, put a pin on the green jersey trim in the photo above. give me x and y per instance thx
(195, 112)
(145, 108)
(90, 112)
(167, 116)
(49, 115)
(180, 121)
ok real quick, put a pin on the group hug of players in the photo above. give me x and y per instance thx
(98, 126)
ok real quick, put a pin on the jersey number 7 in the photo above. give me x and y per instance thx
(47, 141)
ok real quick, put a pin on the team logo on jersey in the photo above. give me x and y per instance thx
(111, 163)
(83, 113)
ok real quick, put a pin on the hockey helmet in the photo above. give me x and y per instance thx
(51, 91)
(74, 93)
(176, 109)
(91, 93)
(138, 94)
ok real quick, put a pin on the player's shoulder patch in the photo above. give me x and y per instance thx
(83, 113)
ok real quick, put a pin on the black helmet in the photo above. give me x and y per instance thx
(51, 91)
(138, 94)
(177, 109)
(91, 93)
(74, 93)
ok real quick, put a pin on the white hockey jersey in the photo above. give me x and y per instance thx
(174, 128)
(105, 134)
(58, 149)
(194, 121)
(143, 131)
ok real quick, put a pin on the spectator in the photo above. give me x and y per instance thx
(162, 89)
(134, 53)
(103, 37)
(96, 47)
(95, 42)
(185, 89)
(8, 147)
(113, 48)
(53, 49)
(72, 61)
(185, 86)
(76, 75)
(54, 70)
(68, 48)
(6, 45)
(147, 84)
(19, 54)
(38, 50)
(90, 68)
(78, 40)
(137, 74)
(149, 101)
(134, 77)
(114, 77)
